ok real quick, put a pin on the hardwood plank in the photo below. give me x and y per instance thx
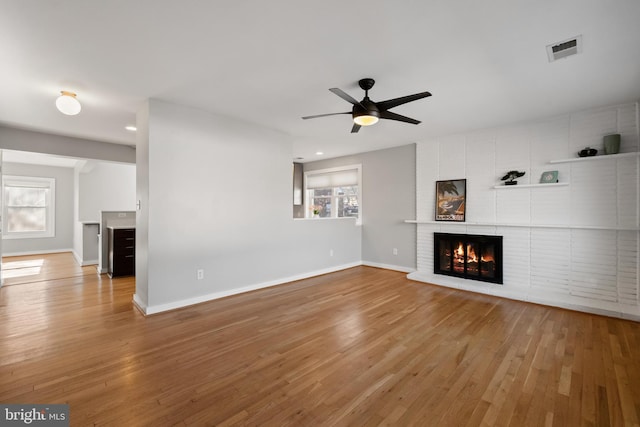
(363, 346)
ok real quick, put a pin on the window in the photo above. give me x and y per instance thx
(29, 207)
(334, 193)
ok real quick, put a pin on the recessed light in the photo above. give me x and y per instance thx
(319, 153)
(131, 128)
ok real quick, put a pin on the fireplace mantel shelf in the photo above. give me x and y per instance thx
(496, 224)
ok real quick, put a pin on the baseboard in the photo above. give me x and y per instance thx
(389, 266)
(77, 257)
(611, 310)
(137, 302)
(42, 252)
(83, 263)
(153, 309)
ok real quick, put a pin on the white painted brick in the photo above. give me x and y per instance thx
(451, 158)
(513, 206)
(480, 157)
(588, 128)
(628, 128)
(592, 267)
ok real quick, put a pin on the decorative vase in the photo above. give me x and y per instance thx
(611, 143)
(588, 152)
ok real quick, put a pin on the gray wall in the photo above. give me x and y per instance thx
(388, 198)
(38, 142)
(63, 239)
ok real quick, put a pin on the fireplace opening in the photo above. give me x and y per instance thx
(469, 256)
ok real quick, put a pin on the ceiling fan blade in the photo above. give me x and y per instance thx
(356, 127)
(393, 116)
(390, 103)
(324, 115)
(345, 96)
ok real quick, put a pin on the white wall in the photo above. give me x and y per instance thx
(573, 246)
(106, 187)
(216, 195)
(63, 239)
(99, 186)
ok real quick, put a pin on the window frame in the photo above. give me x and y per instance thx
(334, 197)
(32, 182)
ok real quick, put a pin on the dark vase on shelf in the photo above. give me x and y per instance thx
(588, 152)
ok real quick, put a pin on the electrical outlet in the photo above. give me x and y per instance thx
(330, 252)
(395, 251)
(200, 274)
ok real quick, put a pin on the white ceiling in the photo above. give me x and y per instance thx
(271, 62)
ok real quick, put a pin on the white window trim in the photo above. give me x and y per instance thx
(358, 167)
(51, 207)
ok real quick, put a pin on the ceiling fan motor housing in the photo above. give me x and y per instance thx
(366, 84)
(365, 108)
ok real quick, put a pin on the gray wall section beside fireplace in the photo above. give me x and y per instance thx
(388, 198)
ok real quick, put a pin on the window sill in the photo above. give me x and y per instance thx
(325, 218)
(27, 236)
(358, 220)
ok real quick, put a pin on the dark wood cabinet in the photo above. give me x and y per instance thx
(122, 251)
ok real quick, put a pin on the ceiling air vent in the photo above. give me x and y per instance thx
(564, 48)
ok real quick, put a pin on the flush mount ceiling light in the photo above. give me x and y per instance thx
(131, 128)
(68, 104)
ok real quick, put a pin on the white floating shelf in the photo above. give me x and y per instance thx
(604, 156)
(514, 187)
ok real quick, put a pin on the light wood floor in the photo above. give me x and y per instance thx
(359, 347)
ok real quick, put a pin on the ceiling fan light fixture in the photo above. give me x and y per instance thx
(365, 120)
(68, 104)
(366, 117)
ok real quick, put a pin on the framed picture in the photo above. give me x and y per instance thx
(451, 198)
(549, 177)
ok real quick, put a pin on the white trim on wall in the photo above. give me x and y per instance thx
(42, 252)
(153, 309)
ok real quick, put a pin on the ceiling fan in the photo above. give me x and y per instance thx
(367, 112)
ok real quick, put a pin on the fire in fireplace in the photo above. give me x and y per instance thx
(469, 256)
